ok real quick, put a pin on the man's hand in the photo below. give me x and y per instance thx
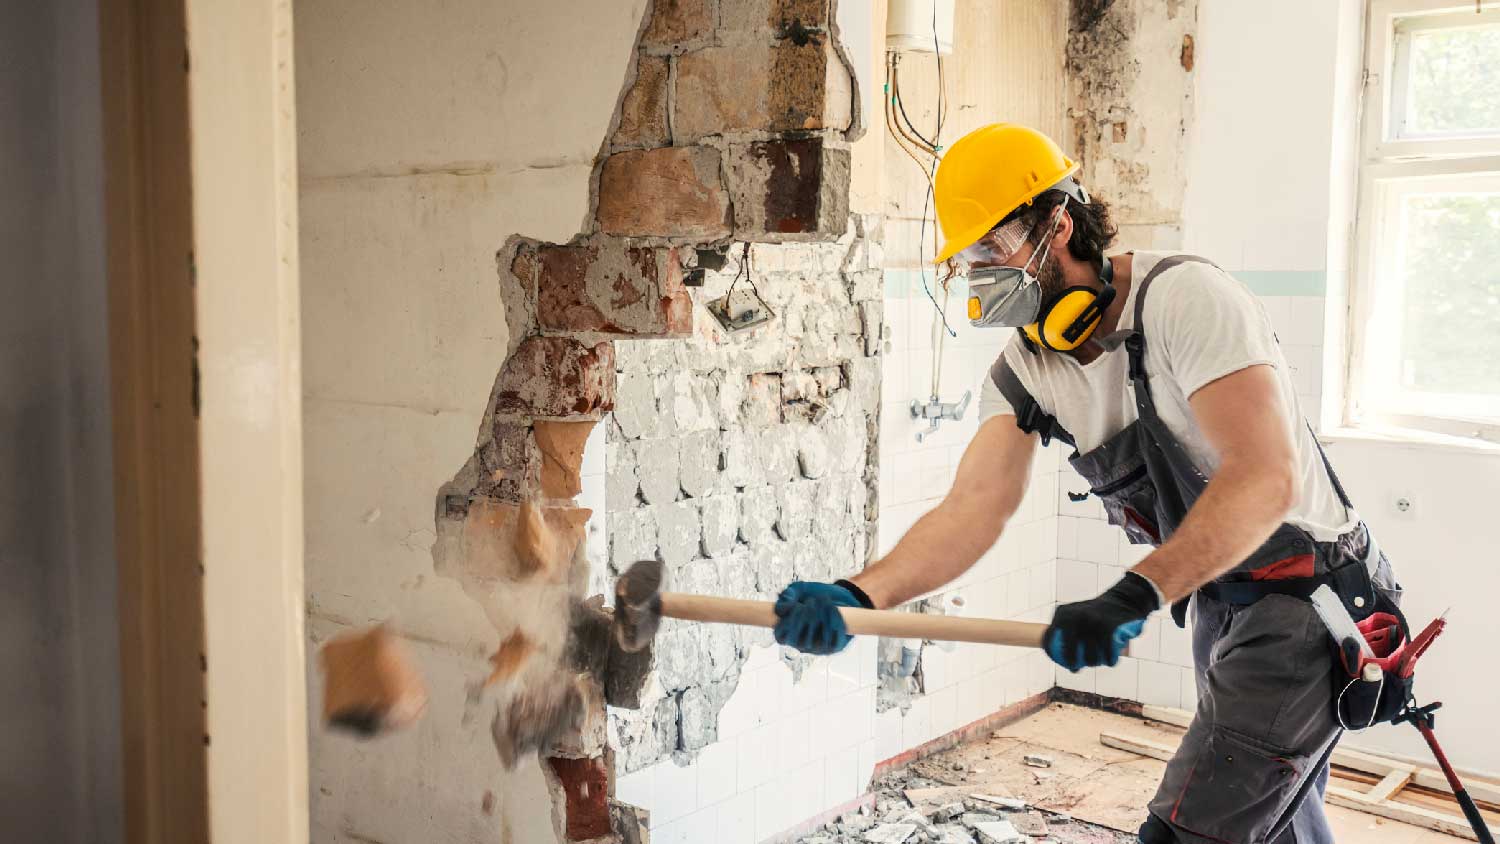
(810, 619)
(1095, 632)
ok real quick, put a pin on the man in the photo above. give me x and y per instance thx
(1164, 373)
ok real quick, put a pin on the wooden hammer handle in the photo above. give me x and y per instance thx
(903, 625)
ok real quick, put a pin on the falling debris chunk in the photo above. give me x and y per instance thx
(890, 833)
(999, 832)
(508, 658)
(370, 683)
(1037, 760)
(561, 445)
(1030, 823)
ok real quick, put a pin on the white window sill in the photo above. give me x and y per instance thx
(1411, 438)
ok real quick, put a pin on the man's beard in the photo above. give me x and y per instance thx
(1050, 277)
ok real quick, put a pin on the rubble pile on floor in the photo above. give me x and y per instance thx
(910, 808)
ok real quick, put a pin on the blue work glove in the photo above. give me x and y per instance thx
(810, 620)
(1095, 632)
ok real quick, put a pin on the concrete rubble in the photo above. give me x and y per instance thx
(907, 807)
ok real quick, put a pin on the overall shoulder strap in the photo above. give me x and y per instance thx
(1135, 341)
(1029, 415)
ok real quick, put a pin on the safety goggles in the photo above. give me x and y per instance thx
(997, 246)
(1002, 296)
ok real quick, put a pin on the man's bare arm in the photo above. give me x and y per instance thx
(1243, 417)
(943, 544)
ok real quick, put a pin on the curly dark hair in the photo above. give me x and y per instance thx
(1093, 231)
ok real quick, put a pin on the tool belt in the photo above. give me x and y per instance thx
(1362, 695)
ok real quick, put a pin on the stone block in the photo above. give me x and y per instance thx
(777, 452)
(678, 22)
(763, 398)
(679, 656)
(621, 485)
(657, 466)
(721, 524)
(785, 18)
(699, 455)
(609, 285)
(678, 532)
(635, 407)
(742, 465)
(557, 377)
(789, 189)
(758, 510)
(632, 536)
(561, 446)
(666, 192)
(812, 453)
(699, 720)
(643, 113)
(797, 87)
(794, 503)
(585, 784)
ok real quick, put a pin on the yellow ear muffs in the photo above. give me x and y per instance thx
(1070, 317)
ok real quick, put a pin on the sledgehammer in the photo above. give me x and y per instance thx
(640, 606)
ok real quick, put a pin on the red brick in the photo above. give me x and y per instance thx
(643, 114)
(557, 377)
(677, 22)
(612, 286)
(668, 192)
(795, 87)
(585, 784)
(789, 190)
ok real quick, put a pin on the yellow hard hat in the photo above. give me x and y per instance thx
(989, 173)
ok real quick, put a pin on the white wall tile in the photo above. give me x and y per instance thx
(944, 711)
(701, 825)
(1161, 685)
(1077, 580)
(888, 734)
(717, 773)
(1176, 643)
(1306, 324)
(1189, 691)
(1043, 583)
(868, 758)
(756, 756)
(841, 777)
(1120, 680)
(793, 739)
(1097, 542)
(1067, 537)
(808, 691)
(916, 725)
(1041, 672)
(1079, 681)
(674, 791)
(635, 788)
(1147, 646)
(736, 820)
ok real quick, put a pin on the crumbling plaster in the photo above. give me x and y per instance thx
(1130, 73)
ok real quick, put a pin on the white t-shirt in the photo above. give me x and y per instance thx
(1201, 324)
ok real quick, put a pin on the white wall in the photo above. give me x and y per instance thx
(428, 136)
(1263, 158)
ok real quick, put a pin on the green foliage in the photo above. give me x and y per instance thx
(1454, 82)
(1451, 323)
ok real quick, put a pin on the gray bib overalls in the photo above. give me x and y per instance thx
(1265, 724)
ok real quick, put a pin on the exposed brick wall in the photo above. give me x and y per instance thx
(730, 129)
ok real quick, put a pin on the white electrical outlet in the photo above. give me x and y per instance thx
(1403, 506)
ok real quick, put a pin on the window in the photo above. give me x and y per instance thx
(1425, 305)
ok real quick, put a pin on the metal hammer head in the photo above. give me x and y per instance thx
(638, 605)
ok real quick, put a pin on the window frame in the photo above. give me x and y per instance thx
(1388, 165)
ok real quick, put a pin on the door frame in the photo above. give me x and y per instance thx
(206, 401)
